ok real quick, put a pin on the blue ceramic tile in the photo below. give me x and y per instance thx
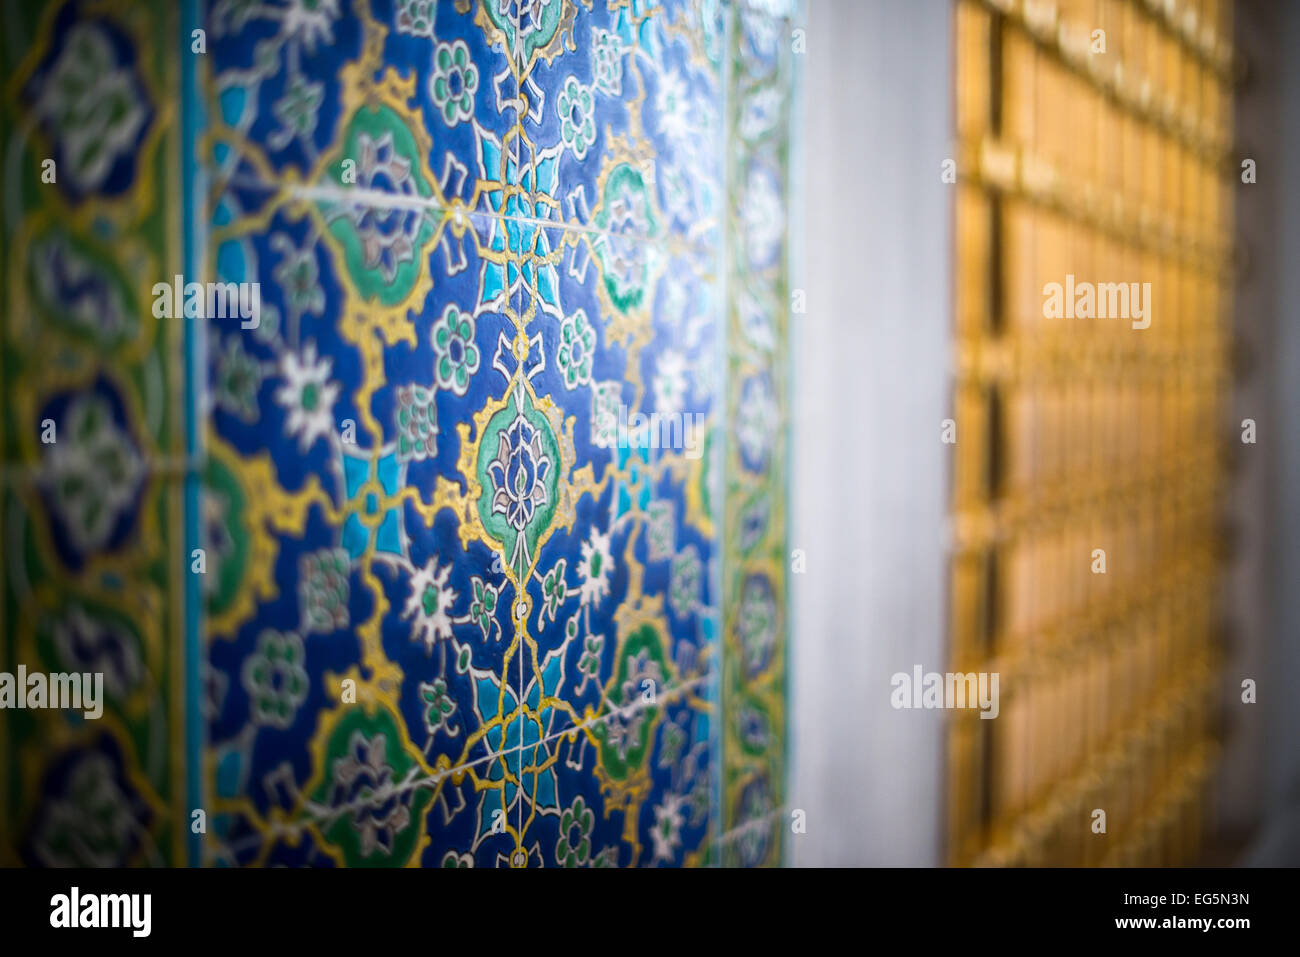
(624, 134)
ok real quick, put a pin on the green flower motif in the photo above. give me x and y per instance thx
(607, 61)
(625, 738)
(529, 25)
(684, 581)
(458, 357)
(438, 706)
(275, 678)
(605, 400)
(454, 82)
(417, 424)
(553, 590)
(574, 844)
(373, 813)
(699, 800)
(577, 347)
(589, 663)
(416, 18)
(297, 111)
(298, 275)
(625, 210)
(756, 623)
(670, 745)
(484, 605)
(452, 859)
(520, 479)
(323, 590)
(237, 378)
(576, 110)
(382, 246)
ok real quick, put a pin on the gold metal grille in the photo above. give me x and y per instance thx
(1093, 143)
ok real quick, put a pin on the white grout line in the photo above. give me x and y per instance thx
(21, 475)
(753, 824)
(293, 827)
(372, 198)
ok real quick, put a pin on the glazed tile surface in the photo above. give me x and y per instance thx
(448, 613)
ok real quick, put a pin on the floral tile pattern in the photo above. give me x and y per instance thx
(487, 496)
(92, 449)
(755, 466)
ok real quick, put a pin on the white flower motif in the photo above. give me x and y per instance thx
(527, 14)
(430, 604)
(757, 323)
(363, 780)
(640, 669)
(94, 104)
(760, 113)
(311, 21)
(757, 623)
(90, 823)
(674, 108)
(670, 383)
(387, 235)
(594, 569)
(519, 473)
(757, 421)
(761, 29)
(92, 645)
(676, 193)
(94, 471)
(623, 732)
(764, 218)
(308, 395)
(667, 832)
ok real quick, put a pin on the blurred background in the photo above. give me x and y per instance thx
(1121, 692)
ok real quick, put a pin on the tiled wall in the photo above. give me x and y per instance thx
(451, 615)
(92, 431)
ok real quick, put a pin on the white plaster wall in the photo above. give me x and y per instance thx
(871, 385)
